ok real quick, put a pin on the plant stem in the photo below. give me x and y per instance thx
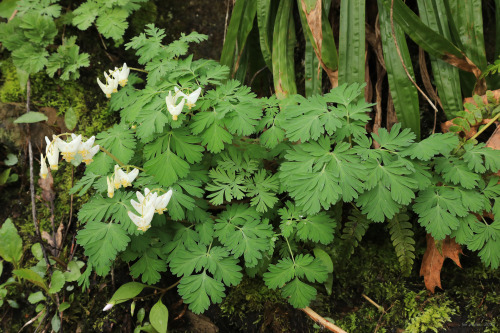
(32, 181)
(322, 321)
(289, 249)
(104, 150)
(138, 69)
(379, 307)
(485, 126)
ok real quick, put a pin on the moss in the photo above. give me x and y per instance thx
(10, 91)
(250, 305)
(145, 15)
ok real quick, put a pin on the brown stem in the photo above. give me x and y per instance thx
(322, 321)
(379, 307)
(32, 182)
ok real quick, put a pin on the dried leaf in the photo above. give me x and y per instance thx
(47, 186)
(313, 14)
(54, 246)
(434, 257)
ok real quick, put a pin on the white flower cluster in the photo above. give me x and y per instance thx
(146, 206)
(73, 150)
(188, 100)
(120, 178)
(115, 78)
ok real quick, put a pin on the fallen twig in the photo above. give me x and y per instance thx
(322, 321)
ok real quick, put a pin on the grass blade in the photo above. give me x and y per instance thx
(467, 19)
(403, 92)
(283, 49)
(266, 13)
(446, 77)
(429, 40)
(241, 24)
(312, 70)
(352, 42)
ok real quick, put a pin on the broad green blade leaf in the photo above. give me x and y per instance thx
(446, 77)
(352, 42)
(31, 117)
(266, 13)
(240, 26)
(466, 17)
(313, 72)
(32, 277)
(403, 92)
(158, 316)
(430, 41)
(125, 292)
(11, 245)
(283, 47)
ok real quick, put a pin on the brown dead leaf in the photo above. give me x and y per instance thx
(474, 127)
(47, 186)
(55, 244)
(494, 141)
(314, 21)
(434, 258)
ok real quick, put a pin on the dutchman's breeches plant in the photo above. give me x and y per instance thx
(205, 180)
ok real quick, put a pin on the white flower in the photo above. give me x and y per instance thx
(117, 179)
(111, 188)
(121, 75)
(87, 151)
(191, 98)
(110, 87)
(69, 149)
(171, 100)
(43, 168)
(126, 179)
(108, 307)
(143, 222)
(52, 153)
(162, 202)
(145, 206)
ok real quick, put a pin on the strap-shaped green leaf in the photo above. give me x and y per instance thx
(352, 42)
(403, 92)
(283, 48)
(446, 77)
(240, 25)
(266, 13)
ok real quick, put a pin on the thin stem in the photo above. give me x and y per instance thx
(486, 126)
(138, 70)
(32, 183)
(104, 150)
(379, 307)
(322, 321)
(479, 132)
(289, 249)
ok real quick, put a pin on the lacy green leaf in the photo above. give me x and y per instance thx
(102, 243)
(200, 290)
